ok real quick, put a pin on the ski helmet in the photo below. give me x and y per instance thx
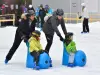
(60, 12)
(36, 33)
(68, 35)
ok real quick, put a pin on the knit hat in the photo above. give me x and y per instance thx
(83, 4)
(59, 12)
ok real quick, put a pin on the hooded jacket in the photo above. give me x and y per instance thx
(34, 45)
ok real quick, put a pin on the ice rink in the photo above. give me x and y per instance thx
(89, 43)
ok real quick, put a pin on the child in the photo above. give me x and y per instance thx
(35, 48)
(70, 47)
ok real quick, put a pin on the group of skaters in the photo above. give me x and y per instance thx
(26, 31)
(40, 12)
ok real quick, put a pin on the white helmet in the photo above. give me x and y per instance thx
(83, 4)
(30, 6)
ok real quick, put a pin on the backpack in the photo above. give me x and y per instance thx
(47, 17)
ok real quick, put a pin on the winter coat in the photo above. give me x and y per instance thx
(42, 13)
(24, 28)
(85, 13)
(34, 45)
(50, 26)
(71, 47)
(50, 11)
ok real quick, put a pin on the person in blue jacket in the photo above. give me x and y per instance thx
(48, 9)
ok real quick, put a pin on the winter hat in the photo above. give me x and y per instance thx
(68, 35)
(83, 4)
(30, 6)
(36, 33)
(41, 5)
(59, 12)
(46, 6)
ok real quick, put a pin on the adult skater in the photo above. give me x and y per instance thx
(27, 25)
(50, 26)
(85, 16)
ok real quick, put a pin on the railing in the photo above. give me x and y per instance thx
(75, 17)
(3, 18)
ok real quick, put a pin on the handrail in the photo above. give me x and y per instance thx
(6, 20)
(66, 18)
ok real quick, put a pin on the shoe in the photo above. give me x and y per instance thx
(83, 32)
(37, 67)
(50, 65)
(6, 61)
(50, 62)
(71, 65)
(87, 32)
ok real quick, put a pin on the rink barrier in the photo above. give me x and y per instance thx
(44, 60)
(79, 59)
(7, 20)
(75, 17)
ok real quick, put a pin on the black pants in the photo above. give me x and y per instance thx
(85, 25)
(14, 47)
(42, 21)
(49, 42)
(36, 56)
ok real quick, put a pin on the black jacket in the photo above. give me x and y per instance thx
(24, 29)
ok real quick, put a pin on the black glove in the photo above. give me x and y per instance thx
(24, 38)
(80, 17)
(61, 38)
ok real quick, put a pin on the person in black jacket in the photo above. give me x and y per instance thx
(50, 26)
(26, 27)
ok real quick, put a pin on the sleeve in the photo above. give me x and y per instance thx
(33, 25)
(40, 46)
(32, 46)
(73, 47)
(63, 26)
(68, 48)
(20, 29)
(54, 26)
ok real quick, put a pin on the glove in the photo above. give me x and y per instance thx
(24, 38)
(61, 38)
(80, 17)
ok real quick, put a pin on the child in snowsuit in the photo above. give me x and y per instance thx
(35, 48)
(70, 48)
